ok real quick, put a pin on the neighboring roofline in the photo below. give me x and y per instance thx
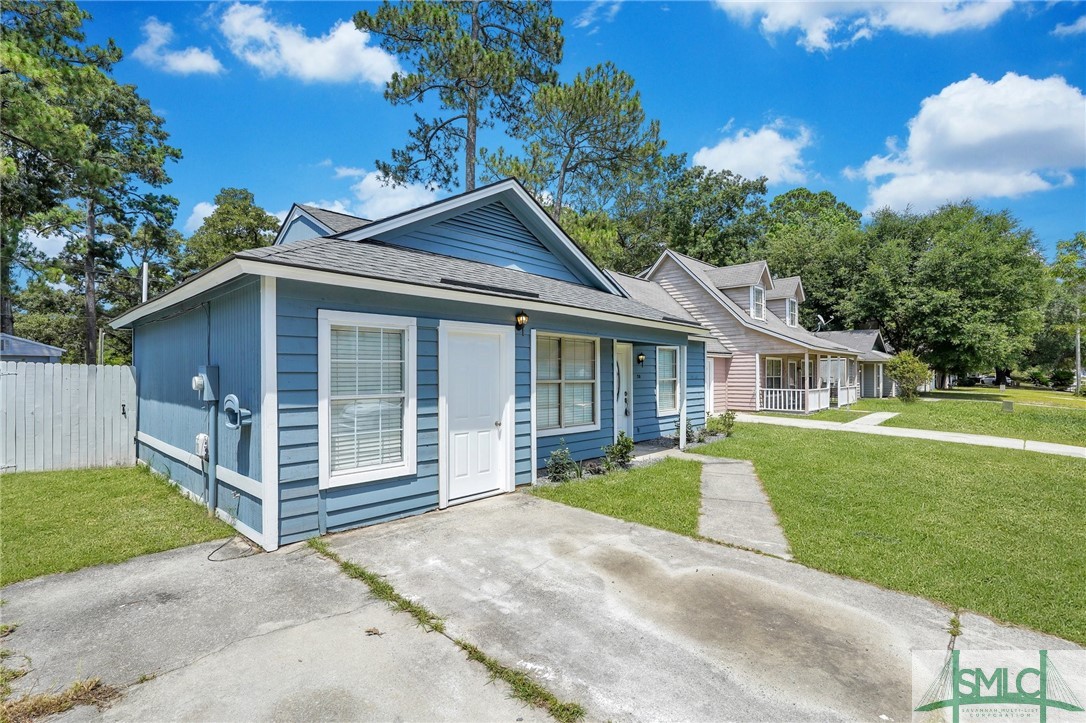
(233, 267)
(296, 210)
(507, 185)
(35, 343)
(716, 294)
(799, 287)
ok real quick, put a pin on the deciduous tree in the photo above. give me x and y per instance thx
(236, 224)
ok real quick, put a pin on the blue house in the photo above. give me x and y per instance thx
(360, 371)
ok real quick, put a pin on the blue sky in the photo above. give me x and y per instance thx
(899, 104)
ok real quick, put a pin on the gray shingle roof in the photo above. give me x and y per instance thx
(784, 288)
(379, 260)
(729, 277)
(338, 222)
(862, 340)
(772, 322)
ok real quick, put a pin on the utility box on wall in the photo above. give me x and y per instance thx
(206, 383)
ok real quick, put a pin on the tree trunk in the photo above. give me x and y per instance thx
(90, 304)
(7, 317)
(473, 109)
(560, 190)
(1002, 375)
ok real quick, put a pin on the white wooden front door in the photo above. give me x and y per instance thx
(624, 389)
(477, 388)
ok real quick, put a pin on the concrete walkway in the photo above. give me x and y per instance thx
(735, 508)
(979, 440)
(872, 420)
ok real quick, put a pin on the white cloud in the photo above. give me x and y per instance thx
(774, 151)
(48, 244)
(825, 25)
(348, 172)
(1076, 28)
(373, 199)
(342, 55)
(980, 139)
(597, 10)
(153, 52)
(200, 211)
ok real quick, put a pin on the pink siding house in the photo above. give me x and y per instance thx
(761, 359)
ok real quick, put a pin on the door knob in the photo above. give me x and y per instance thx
(498, 423)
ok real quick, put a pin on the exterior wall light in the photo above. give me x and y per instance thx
(522, 320)
(640, 359)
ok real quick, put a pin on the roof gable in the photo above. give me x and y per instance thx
(305, 222)
(790, 287)
(500, 224)
(755, 273)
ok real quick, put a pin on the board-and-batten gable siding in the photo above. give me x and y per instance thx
(491, 234)
(301, 228)
(304, 510)
(222, 329)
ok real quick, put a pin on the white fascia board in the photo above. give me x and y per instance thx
(507, 188)
(238, 267)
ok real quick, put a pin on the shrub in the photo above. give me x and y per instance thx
(560, 465)
(620, 454)
(722, 424)
(1062, 378)
(1039, 378)
(909, 373)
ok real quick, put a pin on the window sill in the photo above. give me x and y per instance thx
(559, 431)
(375, 474)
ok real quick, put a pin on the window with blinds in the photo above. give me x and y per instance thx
(667, 379)
(366, 391)
(565, 376)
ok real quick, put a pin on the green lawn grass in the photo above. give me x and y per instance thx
(666, 495)
(1062, 425)
(823, 415)
(996, 531)
(1023, 395)
(63, 521)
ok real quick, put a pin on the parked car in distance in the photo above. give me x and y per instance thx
(988, 380)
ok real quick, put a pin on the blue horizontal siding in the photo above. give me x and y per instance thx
(222, 328)
(490, 234)
(695, 384)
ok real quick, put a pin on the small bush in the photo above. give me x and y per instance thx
(620, 454)
(560, 465)
(1039, 378)
(721, 424)
(1062, 378)
(909, 373)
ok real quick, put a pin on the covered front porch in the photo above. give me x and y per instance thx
(805, 383)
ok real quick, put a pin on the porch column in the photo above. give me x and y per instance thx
(806, 380)
(818, 371)
(682, 397)
(757, 382)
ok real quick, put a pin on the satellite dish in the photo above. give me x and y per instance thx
(822, 323)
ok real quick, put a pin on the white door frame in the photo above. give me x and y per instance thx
(508, 432)
(614, 405)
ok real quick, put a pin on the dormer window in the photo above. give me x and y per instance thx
(792, 315)
(757, 302)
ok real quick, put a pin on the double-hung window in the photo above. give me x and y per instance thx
(773, 373)
(366, 391)
(667, 380)
(792, 309)
(566, 384)
(757, 302)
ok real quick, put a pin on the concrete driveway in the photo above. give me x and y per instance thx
(277, 636)
(641, 624)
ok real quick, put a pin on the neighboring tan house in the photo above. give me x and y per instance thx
(763, 359)
(874, 353)
(17, 349)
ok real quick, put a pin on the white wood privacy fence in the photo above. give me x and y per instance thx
(66, 416)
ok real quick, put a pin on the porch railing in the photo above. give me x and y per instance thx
(848, 395)
(793, 400)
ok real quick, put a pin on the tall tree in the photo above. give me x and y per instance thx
(45, 67)
(817, 237)
(481, 59)
(581, 136)
(236, 224)
(1070, 269)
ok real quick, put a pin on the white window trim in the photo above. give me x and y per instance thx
(661, 411)
(559, 431)
(779, 360)
(753, 315)
(791, 312)
(407, 466)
